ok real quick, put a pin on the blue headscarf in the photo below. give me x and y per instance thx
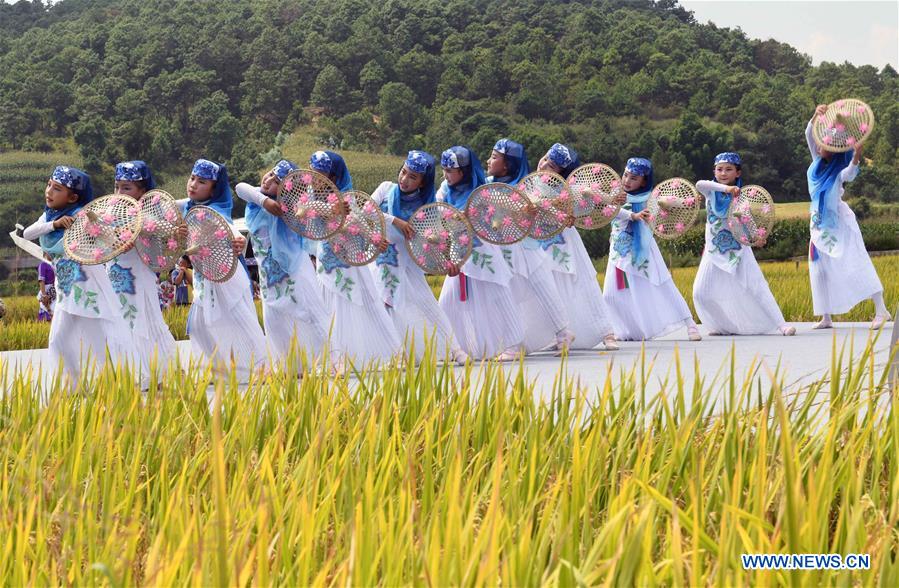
(80, 183)
(517, 165)
(404, 205)
(640, 230)
(330, 163)
(135, 171)
(286, 244)
(463, 158)
(565, 158)
(221, 200)
(823, 187)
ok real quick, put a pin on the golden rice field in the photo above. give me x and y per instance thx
(422, 476)
(789, 282)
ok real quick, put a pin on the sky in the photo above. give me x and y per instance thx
(863, 32)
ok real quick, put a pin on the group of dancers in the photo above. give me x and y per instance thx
(504, 301)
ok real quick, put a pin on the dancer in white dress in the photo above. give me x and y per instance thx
(137, 287)
(543, 314)
(478, 300)
(361, 329)
(730, 293)
(638, 288)
(402, 284)
(573, 270)
(840, 268)
(292, 306)
(86, 322)
(223, 325)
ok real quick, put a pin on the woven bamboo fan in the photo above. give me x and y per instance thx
(158, 243)
(499, 213)
(846, 123)
(443, 238)
(751, 217)
(209, 244)
(595, 190)
(310, 204)
(358, 241)
(104, 229)
(673, 207)
(549, 194)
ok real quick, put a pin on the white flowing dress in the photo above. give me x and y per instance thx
(730, 292)
(292, 305)
(843, 274)
(406, 293)
(643, 300)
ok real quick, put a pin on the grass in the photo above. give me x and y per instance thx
(791, 209)
(422, 476)
(789, 282)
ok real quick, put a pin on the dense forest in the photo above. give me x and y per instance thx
(167, 81)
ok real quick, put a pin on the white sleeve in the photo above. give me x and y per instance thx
(849, 173)
(379, 195)
(249, 193)
(39, 228)
(810, 139)
(441, 193)
(624, 213)
(706, 187)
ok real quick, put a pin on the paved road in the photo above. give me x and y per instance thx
(802, 358)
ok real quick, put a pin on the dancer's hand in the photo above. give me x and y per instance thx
(63, 222)
(404, 227)
(238, 244)
(272, 207)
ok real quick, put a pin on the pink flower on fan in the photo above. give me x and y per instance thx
(690, 201)
(840, 127)
(354, 229)
(131, 211)
(160, 261)
(337, 247)
(745, 220)
(421, 260)
(306, 178)
(144, 241)
(205, 252)
(145, 258)
(597, 200)
(525, 223)
(850, 141)
(561, 217)
(595, 187)
(426, 246)
(515, 197)
(113, 201)
(441, 246)
(376, 238)
(224, 267)
(588, 222)
(679, 227)
(744, 240)
(428, 233)
(656, 192)
(81, 213)
(661, 228)
(98, 254)
(652, 217)
(108, 218)
(93, 230)
(844, 112)
(283, 207)
(841, 103)
(860, 109)
(171, 215)
(332, 198)
(201, 215)
(447, 266)
(444, 235)
(150, 226)
(126, 235)
(74, 244)
(676, 183)
(288, 185)
(463, 239)
(155, 199)
(821, 119)
(763, 232)
(826, 139)
(369, 208)
(420, 215)
(333, 225)
(615, 183)
(341, 238)
(507, 222)
(304, 199)
(447, 214)
(663, 213)
(608, 211)
(544, 178)
(563, 195)
(172, 244)
(485, 193)
(491, 210)
(312, 213)
(220, 234)
(863, 127)
(766, 208)
(596, 169)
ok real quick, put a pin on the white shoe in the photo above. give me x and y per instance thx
(564, 339)
(824, 323)
(693, 333)
(610, 343)
(459, 357)
(879, 321)
(788, 330)
(506, 356)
